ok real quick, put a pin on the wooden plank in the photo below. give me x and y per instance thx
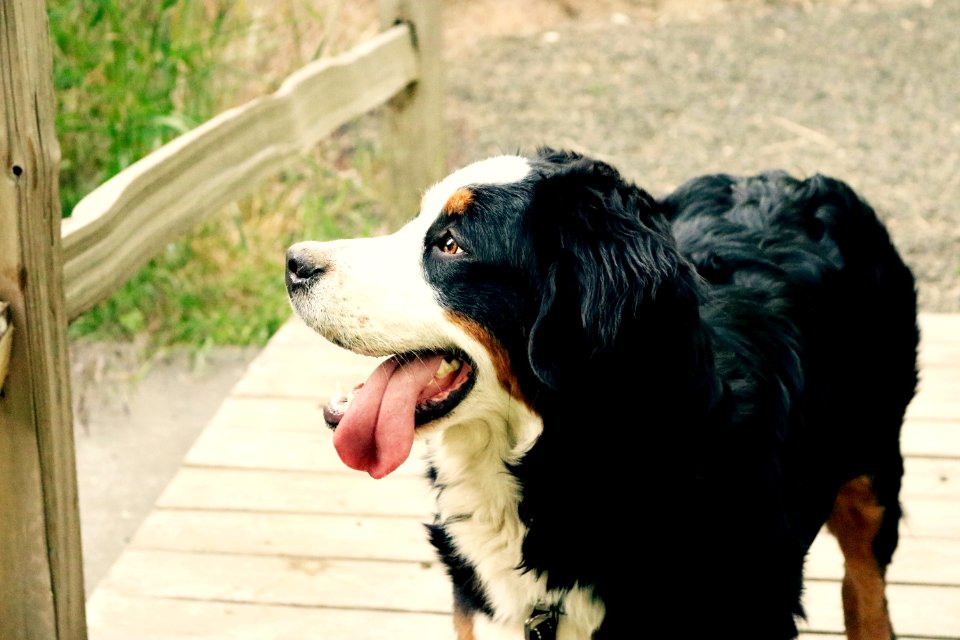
(300, 347)
(286, 534)
(296, 341)
(290, 450)
(300, 364)
(931, 438)
(939, 342)
(940, 381)
(938, 395)
(310, 448)
(352, 493)
(328, 357)
(939, 355)
(931, 478)
(930, 406)
(933, 612)
(41, 574)
(307, 582)
(266, 448)
(313, 358)
(931, 517)
(415, 132)
(939, 327)
(917, 561)
(292, 372)
(115, 616)
(268, 414)
(129, 218)
(239, 584)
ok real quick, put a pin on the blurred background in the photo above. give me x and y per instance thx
(864, 90)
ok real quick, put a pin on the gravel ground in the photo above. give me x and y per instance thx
(868, 92)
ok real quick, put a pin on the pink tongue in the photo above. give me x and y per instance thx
(376, 433)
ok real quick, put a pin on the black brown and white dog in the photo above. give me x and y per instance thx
(638, 412)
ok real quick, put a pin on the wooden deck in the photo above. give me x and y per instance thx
(263, 534)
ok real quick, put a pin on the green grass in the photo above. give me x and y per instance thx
(131, 75)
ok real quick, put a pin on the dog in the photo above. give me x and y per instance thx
(638, 413)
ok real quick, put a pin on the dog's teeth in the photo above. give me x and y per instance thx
(446, 368)
(341, 398)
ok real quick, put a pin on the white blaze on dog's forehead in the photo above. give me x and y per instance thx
(496, 170)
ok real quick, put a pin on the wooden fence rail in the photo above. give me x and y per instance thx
(132, 216)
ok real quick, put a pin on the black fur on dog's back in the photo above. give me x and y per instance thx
(709, 369)
(802, 273)
(814, 253)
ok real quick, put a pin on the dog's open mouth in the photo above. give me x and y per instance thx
(375, 423)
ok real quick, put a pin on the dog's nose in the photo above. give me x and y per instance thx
(304, 263)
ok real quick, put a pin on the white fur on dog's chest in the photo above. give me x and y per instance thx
(478, 504)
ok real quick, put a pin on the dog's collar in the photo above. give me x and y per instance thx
(542, 623)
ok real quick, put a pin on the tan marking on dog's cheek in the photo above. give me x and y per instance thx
(458, 202)
(498, 356)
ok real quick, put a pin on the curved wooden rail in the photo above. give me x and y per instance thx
(131, 217)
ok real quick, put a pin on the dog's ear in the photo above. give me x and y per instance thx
(606, 259)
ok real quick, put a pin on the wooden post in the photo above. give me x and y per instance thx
(415, 139)
(41, 577)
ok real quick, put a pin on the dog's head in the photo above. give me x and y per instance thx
(521, 279)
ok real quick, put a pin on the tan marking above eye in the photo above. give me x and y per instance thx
(458, 202)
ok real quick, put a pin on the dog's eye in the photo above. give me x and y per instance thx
(448, 245)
